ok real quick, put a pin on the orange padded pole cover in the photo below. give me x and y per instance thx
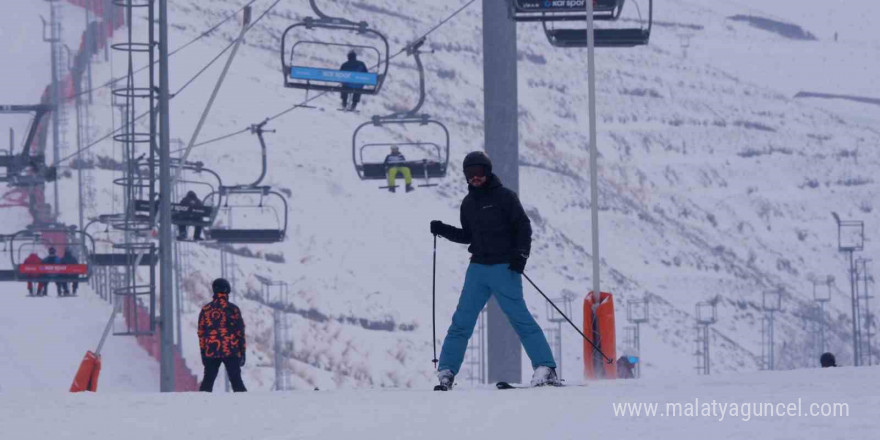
(602, 333)
(86, 378)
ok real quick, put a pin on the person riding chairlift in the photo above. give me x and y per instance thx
(191, 200)
(352, 65)
(394, 163)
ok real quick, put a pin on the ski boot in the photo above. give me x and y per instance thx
(447, 379)
(392, 189)
(545, 376)
(409, 188)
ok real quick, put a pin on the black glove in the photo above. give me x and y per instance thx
(439, 228)
(243, 359)
(518, 264)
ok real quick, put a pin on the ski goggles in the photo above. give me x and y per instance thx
(633, 359)
(474, 171)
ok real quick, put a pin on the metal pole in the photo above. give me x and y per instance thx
(855, 319)
(56, 95)
(165, 240)
(90, 41)
(79, 136)
(502, 144)
(594, 152)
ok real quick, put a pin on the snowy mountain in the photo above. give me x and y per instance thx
(715, 182)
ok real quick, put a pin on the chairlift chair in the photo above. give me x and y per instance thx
(434, 166)
(550, 11)
(229, 234)
(38, 241)
(201, 216)
(299, 75)
(117, 252)
(25, 169)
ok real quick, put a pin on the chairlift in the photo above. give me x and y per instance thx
(38, 241)
(116, 252)
(550, 11)
(300, 74)
(270, 206)
(25, 169)
(196, 176)
(368, 167)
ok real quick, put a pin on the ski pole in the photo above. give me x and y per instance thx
(434, 304)
(569, 321)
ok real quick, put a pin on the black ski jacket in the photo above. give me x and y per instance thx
(494, 223)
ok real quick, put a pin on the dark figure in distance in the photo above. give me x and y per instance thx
(192, 200)
(626, 367)
(52, 258)
(69, 258)
(499, 233)
(221, 338)
(827, 360)
(352, 65)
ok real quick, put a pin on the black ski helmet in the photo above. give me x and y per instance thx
(478, 158)
(352, 55)
(827, 360)
(220, 285)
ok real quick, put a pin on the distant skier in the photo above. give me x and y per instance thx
(33, 258)
(395, 163)
(499, 232)
(352, 65)
(52, 258)
(221, 338)
(827, 360)
(191, 200)
(626, 366)
(69, 258)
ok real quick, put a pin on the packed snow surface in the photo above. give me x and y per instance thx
(573, 412)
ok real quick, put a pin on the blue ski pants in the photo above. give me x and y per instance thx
(480, 282)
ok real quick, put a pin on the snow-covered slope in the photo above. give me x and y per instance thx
(560, 413)
(44, 339)
(714, 180)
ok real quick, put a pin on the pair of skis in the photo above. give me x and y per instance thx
(501, 386)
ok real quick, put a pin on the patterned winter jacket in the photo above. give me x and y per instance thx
(221, 329)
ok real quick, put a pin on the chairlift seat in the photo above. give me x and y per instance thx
(181, 214)
(603, 37)
(333, 80)
(120, 259)
(7, 275)
(254, 236)
(418, 169)
(53, 272)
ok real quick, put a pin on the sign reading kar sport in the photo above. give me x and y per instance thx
(563, 5)
(330, 75)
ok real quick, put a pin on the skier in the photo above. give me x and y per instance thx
(395, 163)
(827, 360)
(222, 338)
(498, 230)
(52, 258)
(352, 65)
(69, 258)
(33, 258)
(191, 200)
(626, 367)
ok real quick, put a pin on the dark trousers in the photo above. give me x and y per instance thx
(233, 370)
(355, 99)
(197, 234)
